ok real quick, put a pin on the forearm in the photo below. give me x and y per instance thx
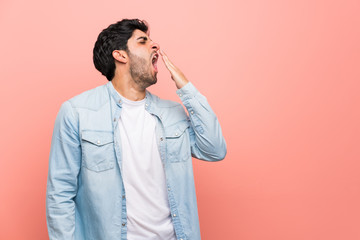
(207, 140)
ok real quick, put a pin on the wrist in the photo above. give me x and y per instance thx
(182, 84)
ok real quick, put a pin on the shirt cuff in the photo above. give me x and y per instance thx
(187, 91)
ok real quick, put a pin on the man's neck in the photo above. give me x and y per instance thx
(129, 89)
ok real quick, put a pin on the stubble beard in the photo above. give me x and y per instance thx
(140, 73)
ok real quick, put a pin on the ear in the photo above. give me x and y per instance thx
(120, 55)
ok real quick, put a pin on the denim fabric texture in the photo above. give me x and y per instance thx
(85, 195)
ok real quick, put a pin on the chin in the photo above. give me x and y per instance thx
(155, 81)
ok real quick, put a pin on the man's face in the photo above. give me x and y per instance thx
(141, 55)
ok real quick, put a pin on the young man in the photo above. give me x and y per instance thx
(120, 163)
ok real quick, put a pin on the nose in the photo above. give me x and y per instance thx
(156, 46)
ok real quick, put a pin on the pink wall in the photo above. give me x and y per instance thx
(282, 76)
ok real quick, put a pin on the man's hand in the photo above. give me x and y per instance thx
(176, 75)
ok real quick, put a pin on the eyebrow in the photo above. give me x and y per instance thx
(145, 38)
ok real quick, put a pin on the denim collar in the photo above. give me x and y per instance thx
(149, 102)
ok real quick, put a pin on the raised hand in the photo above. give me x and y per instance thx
(176, 75)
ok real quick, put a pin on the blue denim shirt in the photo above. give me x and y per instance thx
(85, 195)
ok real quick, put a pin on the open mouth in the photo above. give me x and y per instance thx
(154, 61)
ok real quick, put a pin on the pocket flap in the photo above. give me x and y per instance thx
(98, 138)
(177, 129)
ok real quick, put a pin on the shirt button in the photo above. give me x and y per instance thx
(161, 139)
(120, 101)
(123, 224)
(192, 112)
(146, 104)
(114, 119)
(176, 134)
(174, 215)
(180, 94)
(169, 189)
(98, 141)
(123, 196)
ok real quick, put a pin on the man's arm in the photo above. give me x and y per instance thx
(64, 166)
(207, 141)
(206, 138)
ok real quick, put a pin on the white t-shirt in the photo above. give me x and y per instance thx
(148, 211)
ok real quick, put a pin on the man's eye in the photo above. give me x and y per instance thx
(142, 42)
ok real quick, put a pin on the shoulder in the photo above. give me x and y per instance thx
(171, 111)
(166, 104)
(91, 99)
(163, 103)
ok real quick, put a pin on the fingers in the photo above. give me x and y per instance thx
(176, 74)
(166, 60)
(163, 58)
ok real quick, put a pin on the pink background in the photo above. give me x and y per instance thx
(282, 77)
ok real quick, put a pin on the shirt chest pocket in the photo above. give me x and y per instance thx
(178, 142)
(98, 152)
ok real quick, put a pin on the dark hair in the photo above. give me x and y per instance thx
(114, 37)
